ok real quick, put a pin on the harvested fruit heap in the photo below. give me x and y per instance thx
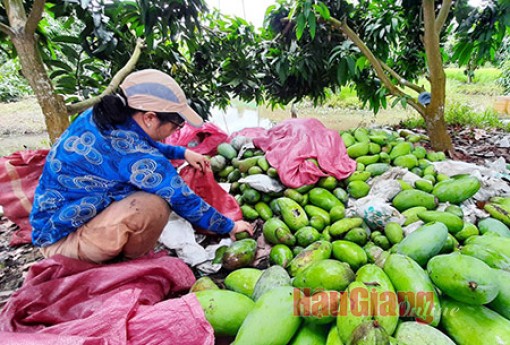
(360, 283)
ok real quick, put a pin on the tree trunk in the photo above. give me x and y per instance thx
(52, 105)
(22, 34)
(434, 112)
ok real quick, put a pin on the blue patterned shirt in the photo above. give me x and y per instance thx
(87, 169)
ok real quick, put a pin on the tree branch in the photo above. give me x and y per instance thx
(6, 29)
(35, 16)
(443, 14)
(114, 83)
(401, 80)
(376, 64)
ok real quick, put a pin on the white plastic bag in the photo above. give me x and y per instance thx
(263, 183)
(377, 212)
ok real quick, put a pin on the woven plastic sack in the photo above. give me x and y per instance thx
(290, 145)
(19, 176)
(203, 139)
(68, 301)
(205, 186)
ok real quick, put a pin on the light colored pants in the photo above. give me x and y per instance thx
(130, 227)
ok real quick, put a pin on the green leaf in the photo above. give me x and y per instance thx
(67, 39)
(301, 22)
(59, 64)
(312, 24)
(323, 10)
(360, 63)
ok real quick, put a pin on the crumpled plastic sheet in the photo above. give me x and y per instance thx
(290, 144)
(179, 235)
(263, 183)
(67, 301)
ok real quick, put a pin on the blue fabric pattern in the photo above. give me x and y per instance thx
(88, 169)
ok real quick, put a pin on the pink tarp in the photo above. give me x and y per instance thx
(67, 301)
(290, 144)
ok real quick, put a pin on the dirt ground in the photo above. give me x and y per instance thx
(22, 126)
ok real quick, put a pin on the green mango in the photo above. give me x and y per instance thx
(408, 161)
(310, 334)
(414, 288)
(463, 278)
(457, 189)
(417, 333)
(276, 231)
(412, 198)
(239, 254)
(369, 333)
(493, 225)
(501, 303)
(326, 275)
(333, 336)
(394, 232)
(474, 324)
(292, 213)
(225, 310)
(312, 211)
(358, 189)
(377, 169)
(337, 213)
(317, 251)
(273, 277)
(272, 320)
(491, 256)
(281, 255)
(358, 150)
(323, 198)
(452, 222)
(307, 235)
(411, 214)
(386, 311)
(424, 243)
(328, 182)
(401, 149)
(243, 280)
(343, 225)
(204, 283)
(249, 213)
(357, 235)
(350, 253)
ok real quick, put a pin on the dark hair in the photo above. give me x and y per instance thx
(113, 110)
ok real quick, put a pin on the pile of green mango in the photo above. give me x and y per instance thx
(449, 278)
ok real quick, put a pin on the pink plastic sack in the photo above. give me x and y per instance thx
(205, 186)
(203, 140)
(290, 144)
(252, 132)
(19, 176)
(67, 301)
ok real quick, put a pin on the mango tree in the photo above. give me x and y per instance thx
(382, 47)
(103, 42)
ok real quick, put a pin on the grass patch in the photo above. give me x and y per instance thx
(482, 75)
(462, 115)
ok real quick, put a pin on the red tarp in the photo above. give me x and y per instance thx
(290, 144)
(67, 301)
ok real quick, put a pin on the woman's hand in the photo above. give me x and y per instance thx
(241, 226)
(196, 160)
